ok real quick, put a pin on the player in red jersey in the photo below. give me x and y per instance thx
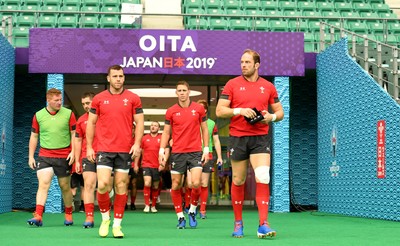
(151, 167)
(83, 165)
(250, 142)
(54, 125)
(111, 116)
(208, 167)
(184, 120)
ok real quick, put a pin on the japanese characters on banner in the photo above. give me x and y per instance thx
(381, 149)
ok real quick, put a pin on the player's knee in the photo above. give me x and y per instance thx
(262, 174)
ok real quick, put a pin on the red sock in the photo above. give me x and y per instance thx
(104, 202)
(203, 198)
(68, 210)
(89, 209)
(195, 196)
(119, 206)
(262, 200)
(154, 196)
(176, 200)
(188, 194)
(146, 195)
(237, 193)
(39, 210)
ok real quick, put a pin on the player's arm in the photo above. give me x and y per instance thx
(217, 146)
(136, 161)
(33, 141)
(90, 130)
(78, 150)
(163, 143)
(205, 136)
(276, 115)
(139, 130)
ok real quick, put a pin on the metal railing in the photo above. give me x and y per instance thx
(380, 60)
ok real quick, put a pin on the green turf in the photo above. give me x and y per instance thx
(306, 228)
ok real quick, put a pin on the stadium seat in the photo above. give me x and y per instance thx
(89, 21)
(392, 16)
(272, 4)
(362, 7)
(31, 8)
(312, 13)
(67, 9)
(333, 15)
(314, 25)
(133, 1)
(250, 4)
(212, 4)
(394, 27)
(90, 10)
(259, 24)
(218, 24)
(90, 3)
(52, 2)
(292, 13)
(376, 27)
(273, 14)
(390, 39)
(111, 3)
(381, 7)
(253, 12)
(287, 5)
(193, 11)
(68, 21)
(11, 2)
(325, 6)
(369, 15)
(309, 42)
(110, 9)
(52, 9)
(10, 7)
(72, 2)
(279, 26)
(47, 21)
(238, 24)
(109, 21)
(231, 4)
(198, 4)
(197, 24)
(215, 12)
(300, 25)
(32, 3)
(21, 36)
(306, 6)
(235, 13)
(359, 27)
(25, 21)
(344, 7)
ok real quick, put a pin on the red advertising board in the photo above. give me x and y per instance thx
(381, 149)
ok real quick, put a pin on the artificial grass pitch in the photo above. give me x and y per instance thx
(306, 228)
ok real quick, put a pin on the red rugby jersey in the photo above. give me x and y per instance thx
(185, 124)
(245, 94)
(150, 147)
(115, 120)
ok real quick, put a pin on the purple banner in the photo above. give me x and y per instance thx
(147, 51)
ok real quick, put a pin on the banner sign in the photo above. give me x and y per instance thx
(145, 51)
(381, 150)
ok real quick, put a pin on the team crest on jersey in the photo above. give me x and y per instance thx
(193, 112)
(262, 90)
(125, 102)
(158, 140)
(242, 88)
(106, 102)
